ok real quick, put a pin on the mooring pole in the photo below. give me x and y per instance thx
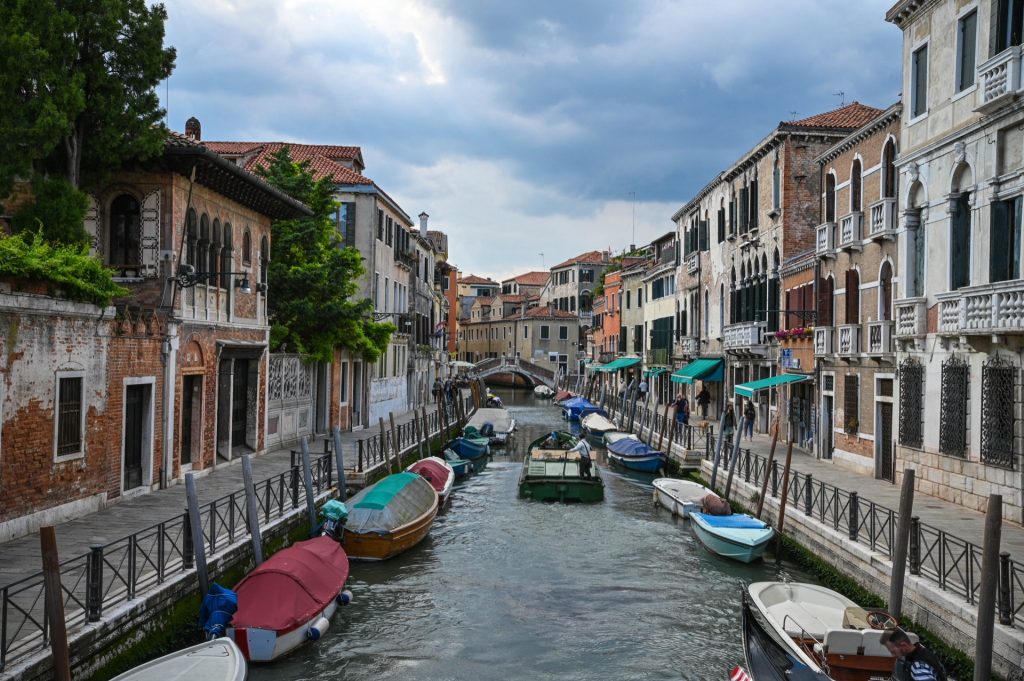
(252, 514)
(426, 429)
(664, 425)
(987, 592)
(899, 552)
(418, 434)
(385, 456)
(718, 450)
(54, 599)
(307, 479)
(732, 459)
(782, 502)
(394, 443)
(196, 525)
(768, 469)
(339, 461)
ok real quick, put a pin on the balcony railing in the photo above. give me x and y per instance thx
(880, 337)
(826, 240)
(744, 335)
(999, 78)
(850, 230)
(911, 317)
(586, 317)
(987, 309)
(849, 339)
(693, 262)
(883, 219)
(658, 357)
(689, 345)
(824, 340)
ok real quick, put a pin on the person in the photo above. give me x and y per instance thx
(748, 419)
(682, 410)
(449, 391)
(641, 393)
(551, 441)
(914, 662)
(728, 423)
(703, 400)
(585, 462)
(436, 391)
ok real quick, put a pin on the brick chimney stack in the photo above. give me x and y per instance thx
(193, 130)
(423, 222)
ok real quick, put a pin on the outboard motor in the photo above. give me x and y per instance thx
(487, 429)
(335, 514)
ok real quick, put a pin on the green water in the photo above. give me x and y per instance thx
(511, 589)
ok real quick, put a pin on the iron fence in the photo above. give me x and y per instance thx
(379, 447)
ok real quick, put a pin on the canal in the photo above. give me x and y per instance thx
(509, 589)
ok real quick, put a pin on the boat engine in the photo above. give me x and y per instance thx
(335, 514)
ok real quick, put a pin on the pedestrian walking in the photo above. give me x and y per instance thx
(682, 410)
(728, 423)
(703, 400)
(436, 390)
(749, 414)
(641, 392)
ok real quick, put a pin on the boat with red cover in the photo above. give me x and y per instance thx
(439, 474)
(289, 599)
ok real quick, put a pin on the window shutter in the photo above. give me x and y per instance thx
(753, 204)
(732, 215)
(703, 235)
(91, 223)
(999, 257)
(744, 208)
(149, 244)
(789, 306)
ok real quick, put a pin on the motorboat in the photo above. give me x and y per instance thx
(389, 517)
(500, 421)
(737, 536)
(806, 632)
(561, 396)
(461, 467)
(680, 497)
(216, 660)
(596, 425)
(472, 449)
(573, 407)
(553, 473)
(543, 392)
(439, 474)
(636, 455)
(613, 436)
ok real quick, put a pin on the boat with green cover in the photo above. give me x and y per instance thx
(389, 517)
(553, 471)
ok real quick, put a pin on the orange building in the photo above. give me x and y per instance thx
(608, 338)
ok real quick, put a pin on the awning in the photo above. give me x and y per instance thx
(620, 363)
(701, 369)
(594, 367)
(748, 389)
(656, 371)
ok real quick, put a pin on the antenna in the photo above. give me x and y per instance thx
(842, 97)
(792, 115)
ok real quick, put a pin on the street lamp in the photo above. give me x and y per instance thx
(188, 277)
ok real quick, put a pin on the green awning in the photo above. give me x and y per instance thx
(748, 389)
(594, 367)
(656, 371)
(620, 363)
(701, 369)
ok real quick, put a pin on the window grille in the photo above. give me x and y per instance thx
(998, 411)
(69, 416)
(851, 403)
(911, 374)
(953, 416)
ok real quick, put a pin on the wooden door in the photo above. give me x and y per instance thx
(134, 424)
(239, 402)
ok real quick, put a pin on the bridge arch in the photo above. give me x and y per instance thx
(534, 373)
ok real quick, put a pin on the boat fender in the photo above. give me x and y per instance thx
(317, 629)
(343, 598)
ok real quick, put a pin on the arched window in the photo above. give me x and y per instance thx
(586, 304)
(214, 253)
(885, 293)
(203, 244)
(776, 186)
(246, 247)
(830, 198)
(191, 236)
(707, 314)
(889, 170)
(960, 228)
(852, 297)
(125, 231)
(855, 187)
(226, 257)
(826, 301)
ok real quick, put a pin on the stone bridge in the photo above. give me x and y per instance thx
(534, 373)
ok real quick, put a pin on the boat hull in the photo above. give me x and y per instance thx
(740, 545)
(561, 489)
(384, 545)
(554, 475)
(216, 660)
(267, 645)
(679, 497)
(643, 464)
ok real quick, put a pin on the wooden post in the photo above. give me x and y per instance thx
(418, 432)
(733, 459)
(307, 479)
(54, 598)
(671, 436)
(782, 502)
(395, 446)
(252, 519)
(339, 461)
(987, 592)
(899, 551)
(198, 543)
(426, 429)
(768, 468)
(718, 450)
(384, 443)
(665, 425)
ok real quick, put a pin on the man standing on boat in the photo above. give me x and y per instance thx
(914, 662)
(585, 463)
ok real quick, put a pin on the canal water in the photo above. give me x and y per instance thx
(510, 589)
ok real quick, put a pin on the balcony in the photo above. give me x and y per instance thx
(657, 357)
(667, 256)
(693, 262)
(883, 220)
(987, 309)
(824, 340)
(850, 230)
(849, 340)
(826, 240)
(586, 317)
(880, 338)
(688, 346)
(911, 317)
(746, 338)
(999, 78)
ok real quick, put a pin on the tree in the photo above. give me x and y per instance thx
(78, 89)
(312, 277)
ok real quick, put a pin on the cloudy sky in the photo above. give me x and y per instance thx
(528, 127)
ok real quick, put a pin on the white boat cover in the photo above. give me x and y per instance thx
(597, 423)
(501, 419)
(682, 491)
(797, 607)
(615, 436)
(216, 660)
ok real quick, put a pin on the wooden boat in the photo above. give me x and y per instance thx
(573, 407)
(216, 660)
(635, 455)
(501, 423)
(389, 517)
(468, 448)
(289, 599)
(461, 467)
(543, 392)
(439, 474)
(737, 536)
(553, 473)
(809, 633)
(596, 425)
(680, 497)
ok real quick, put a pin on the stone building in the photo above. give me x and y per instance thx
(543, 335)
(795, 339)
(529, 284)
(958, 324)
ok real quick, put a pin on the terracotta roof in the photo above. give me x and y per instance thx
(595, 257)
(852, 116)
(323, 158)
(485, 301)
(549, 312)
(532, 278)
(473, 279)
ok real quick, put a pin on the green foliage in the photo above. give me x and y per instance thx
(57, 210)
(78, 86)
(69, 268)
(313, 278)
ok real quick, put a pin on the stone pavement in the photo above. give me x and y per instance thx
(21, 558)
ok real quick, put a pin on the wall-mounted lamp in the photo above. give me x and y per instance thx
(188, 277)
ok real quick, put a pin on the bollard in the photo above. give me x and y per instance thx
(384, 443)
(295, 486)
(360, 459)
(782, 503)
(1005, 605)
(899, 551)
(808, 495)
(307, 478)
(252, 515)
(54, 604)
(417, 434)
(854, 511)
(94, 580)
(340, 463)
(914, 550)
(746, 466)
(987, 592)
(775, 478)
(718, 452)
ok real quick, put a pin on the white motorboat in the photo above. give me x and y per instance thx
(680, 497)
(616, 435)
(543, 391)
(216, 660)
(502, 424)
(596, 425)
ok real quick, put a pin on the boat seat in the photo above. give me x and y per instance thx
(842, 642)
(872, 642)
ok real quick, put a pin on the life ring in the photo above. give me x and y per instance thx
(879, 619)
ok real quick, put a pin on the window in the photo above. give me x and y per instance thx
(640, 297)
(776, 187)
(380, 224)
(852, 297)
(387, 288)
(953, 415)
(389, 228)
(889, 170)
(526, 332)
(911, 386)
(264, 262)
(125, 231)
(343, 390)
(851, 404)
(545, 332)
(721, 225)
(586, 276)
(754, 204)
(638, 338)
(246, 247)
(347, 222)
(744, 208)
(960, 242)
(885, 292)
(998, 385)
(226, 254)
(702, 236)
(190, 237)
(825, 301)
(214, 252)
(1008, 24)
(70, 416)
(1004, 259)
(966, 48)
(830, 198)
(919, 82)
(855, 188)
(628, 299)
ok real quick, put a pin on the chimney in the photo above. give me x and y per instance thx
(193, 130)
(423, 222)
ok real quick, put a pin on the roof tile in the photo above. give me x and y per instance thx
(852, 116)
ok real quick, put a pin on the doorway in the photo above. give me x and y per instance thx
(357, 395)
(191, 418)
(320, 420)
(827, 433)
(883, 440)
(239, 402)
(137, 437)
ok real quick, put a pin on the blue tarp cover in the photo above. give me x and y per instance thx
(577, 403)
(627, 446)
(736, 521)
(218, 607)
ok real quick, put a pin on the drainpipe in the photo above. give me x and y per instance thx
(169, 350)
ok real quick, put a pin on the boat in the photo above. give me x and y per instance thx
(389, 517)
(737, 536)
(439, 474)
(613, 436)
(680, 497)
(461, 467)
(572, 408)
(552, 473)
(596, 425)
(543, 392)
(806, 632)
(216, 660)
(500, 421)
(636, 455)
(561, 396)
(289, 599)
(473, 450)
(473, 435)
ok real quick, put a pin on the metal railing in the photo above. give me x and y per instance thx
(953, 564)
